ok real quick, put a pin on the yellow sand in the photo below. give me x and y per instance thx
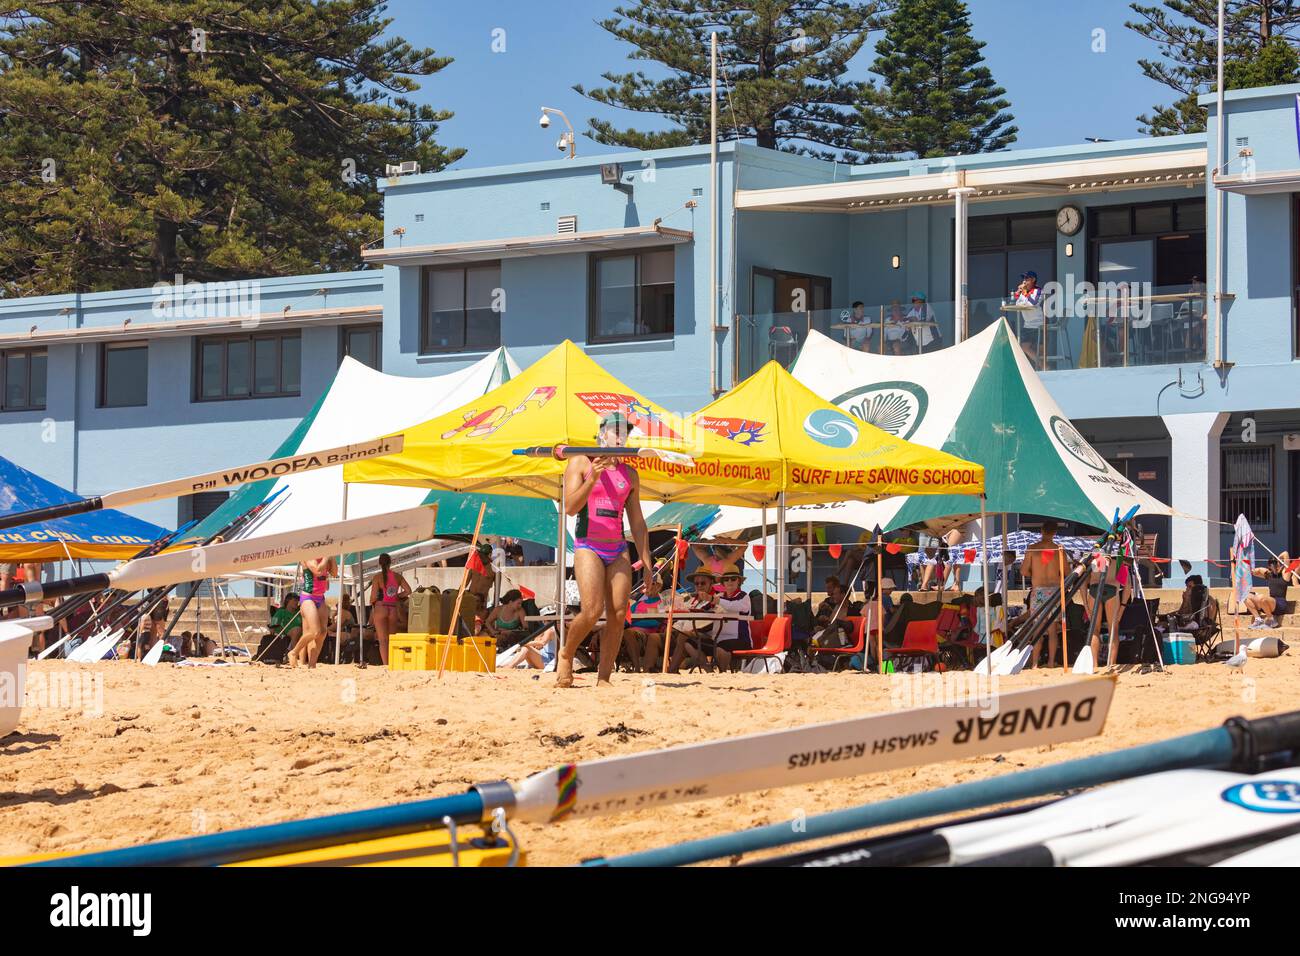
(179, 750)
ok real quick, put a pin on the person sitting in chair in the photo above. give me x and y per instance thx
(835, 629)
(1266, 608)
(695, 637)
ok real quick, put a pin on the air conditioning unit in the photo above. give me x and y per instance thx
(566, 225)
(408, 168)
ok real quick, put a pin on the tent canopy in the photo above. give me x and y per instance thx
(360, 404)
(981, 400)
(769, 435)
(96, 535)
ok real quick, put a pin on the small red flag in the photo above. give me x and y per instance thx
(893, 548)
(1290, 568)
(969, 555)
(683, 546)
(475, 563)
(759, 551)
(1048, 556)
(527, 593)
(835, 550)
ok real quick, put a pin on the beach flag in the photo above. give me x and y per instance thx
(475, 563)
(1243, 556)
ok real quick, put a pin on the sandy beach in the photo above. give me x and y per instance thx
(184, 750)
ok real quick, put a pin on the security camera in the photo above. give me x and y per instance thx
(545, 121)
(562, 143)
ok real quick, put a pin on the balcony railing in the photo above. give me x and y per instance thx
(1116, 328)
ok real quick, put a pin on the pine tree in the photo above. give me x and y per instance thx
(212, 138)
(782, 63)
(1260, 49)
(936, 98)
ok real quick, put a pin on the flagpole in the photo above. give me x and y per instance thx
(1065, 624)
(880, 611)
(984, 573)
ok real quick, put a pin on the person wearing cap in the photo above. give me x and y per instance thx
(693, 637)
(1031, 322)
(600, 490)
(857, 318)
(732, 634)
(924, 333)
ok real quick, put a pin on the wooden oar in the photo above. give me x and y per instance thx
(212, 481)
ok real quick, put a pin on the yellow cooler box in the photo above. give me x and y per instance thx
(423, 652)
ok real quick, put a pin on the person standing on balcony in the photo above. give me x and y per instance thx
(857, 335)
(1031, 321)
(920, 319)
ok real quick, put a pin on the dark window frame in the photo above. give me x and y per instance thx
(426, 348)
(374, 328)
(101, 392)
(29, 354)
(1006, 243)
(251, 338)
(593, 299)
(1266, 489)
(1096, 241)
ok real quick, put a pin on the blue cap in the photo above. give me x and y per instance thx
(919, 295)
(1031, 274)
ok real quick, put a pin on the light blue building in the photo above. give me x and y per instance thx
(107, 390)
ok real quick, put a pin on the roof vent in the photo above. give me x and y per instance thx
(566, 225)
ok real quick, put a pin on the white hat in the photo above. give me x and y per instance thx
(887, 583)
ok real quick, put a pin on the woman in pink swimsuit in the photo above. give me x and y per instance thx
(385, 589)
(316, 574)
(600, 491)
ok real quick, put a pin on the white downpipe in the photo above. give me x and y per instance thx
(959, 271)
(782, 554)
(1219, 200)
(713, 214)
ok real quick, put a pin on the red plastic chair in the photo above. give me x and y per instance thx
(758, 630)
(920, 646)
(775, 641)
(841, 655)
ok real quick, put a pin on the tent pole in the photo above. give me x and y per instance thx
(808, 537)
(338, 622)
(782, 555)
(880, 610)
(672, 598)
(359, 602)
(984, 573)
(559, 567)
(764, 540)
(1006, 589)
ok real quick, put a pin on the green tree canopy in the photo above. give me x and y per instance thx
(935, 98)
(782, 62)
(213, 138)
(1259, 50)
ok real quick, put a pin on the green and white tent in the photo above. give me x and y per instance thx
(361, 404)
(980, 400)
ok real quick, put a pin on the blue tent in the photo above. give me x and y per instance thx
(102, 535)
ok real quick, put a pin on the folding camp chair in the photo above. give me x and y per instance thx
(920, 646)
(840, 655)
(956, 635)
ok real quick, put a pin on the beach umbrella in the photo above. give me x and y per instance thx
(95, 535)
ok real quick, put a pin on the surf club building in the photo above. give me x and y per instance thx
(1194, 396)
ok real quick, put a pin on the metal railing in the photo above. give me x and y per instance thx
(1119, 326)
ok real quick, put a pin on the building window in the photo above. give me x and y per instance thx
(363, 343)
(1248, 485)
(123, 375)
(1001, 248)
(248, 366)
(632, 295)
(22, 380)
(462, 308)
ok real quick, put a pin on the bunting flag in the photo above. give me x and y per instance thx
(528, 594)
(969, 554)
(1243, 556)
(835, 550)
(475, 563)
(893, 548)
(683, 546)
(759, 550)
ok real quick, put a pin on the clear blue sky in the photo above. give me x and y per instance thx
(1040, 51)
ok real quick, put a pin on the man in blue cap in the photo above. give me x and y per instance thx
(1031, 320)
